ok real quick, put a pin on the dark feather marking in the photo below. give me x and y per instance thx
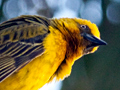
(15, 36)
(7, 47)
(1, 47)
(12, 22)
(45, 21)
(37, 39)
(6, 69)
(17, 48)
(10, 48)
(20, 60)
(7, 25)
(6, 38)
(23, 51)
(30, 50)
(36, 53)
(5, 63)
(21, 34)
(7, 74)
(20, 50)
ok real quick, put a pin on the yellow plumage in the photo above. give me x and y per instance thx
(35, 49)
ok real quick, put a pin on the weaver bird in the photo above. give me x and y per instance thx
(35, 49)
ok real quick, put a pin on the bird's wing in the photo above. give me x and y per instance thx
(21, 41)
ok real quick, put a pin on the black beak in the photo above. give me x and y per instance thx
(94, 40)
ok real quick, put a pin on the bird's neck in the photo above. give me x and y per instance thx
(71, 37)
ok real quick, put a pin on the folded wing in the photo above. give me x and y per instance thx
(20, 42)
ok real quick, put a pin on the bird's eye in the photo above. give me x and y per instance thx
(83, 26)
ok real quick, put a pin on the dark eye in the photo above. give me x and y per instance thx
(83, 26)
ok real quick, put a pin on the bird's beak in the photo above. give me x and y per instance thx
(94, 40)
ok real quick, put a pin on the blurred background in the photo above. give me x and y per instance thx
(98, 71)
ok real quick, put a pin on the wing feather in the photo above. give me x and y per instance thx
(20, 42)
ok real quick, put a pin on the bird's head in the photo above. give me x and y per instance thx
(82, 36)
(90, 35)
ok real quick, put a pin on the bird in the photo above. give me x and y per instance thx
(35, 49)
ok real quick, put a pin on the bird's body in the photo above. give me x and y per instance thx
(34, 49)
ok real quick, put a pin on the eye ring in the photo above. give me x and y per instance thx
(83, 26)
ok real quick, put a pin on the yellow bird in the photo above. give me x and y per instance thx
(35, 49)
